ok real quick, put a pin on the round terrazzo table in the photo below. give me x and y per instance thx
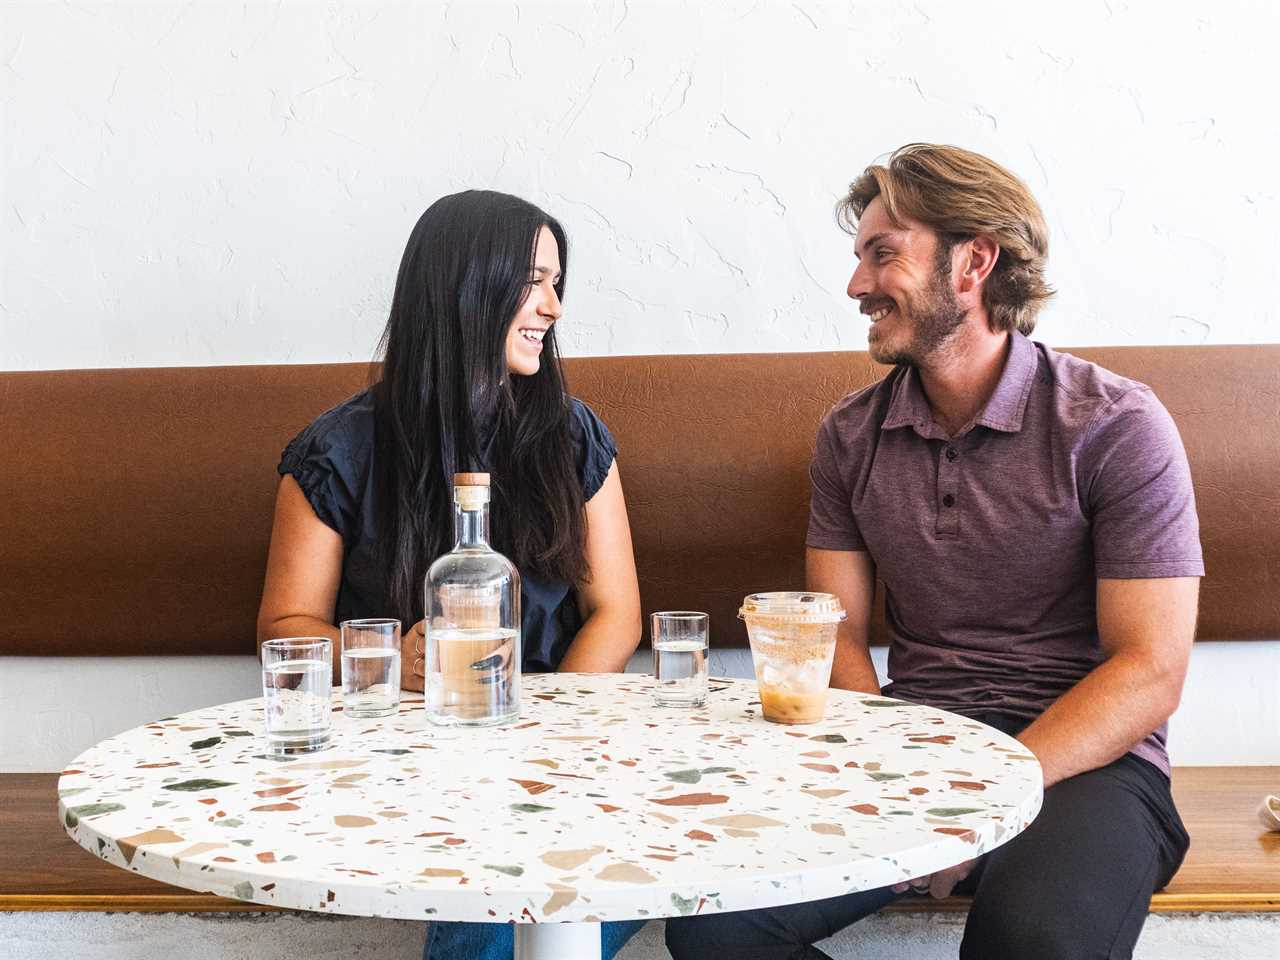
(594, 806)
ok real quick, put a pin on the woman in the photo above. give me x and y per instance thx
(470, 380)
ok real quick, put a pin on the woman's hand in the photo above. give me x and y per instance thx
(413, 665)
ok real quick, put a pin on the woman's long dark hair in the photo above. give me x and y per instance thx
(446, 403)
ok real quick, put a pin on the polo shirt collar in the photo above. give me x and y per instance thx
(1009, 402)
(909, 408)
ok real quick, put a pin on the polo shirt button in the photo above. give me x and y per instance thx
(951, 453)
(948, 501)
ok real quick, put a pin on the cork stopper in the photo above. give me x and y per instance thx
(471, 490)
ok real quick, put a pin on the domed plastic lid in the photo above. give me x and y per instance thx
(795, 607)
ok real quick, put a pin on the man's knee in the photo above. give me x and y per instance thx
(995, 934)
(746, 934)
(1060, 921)
(689, 938)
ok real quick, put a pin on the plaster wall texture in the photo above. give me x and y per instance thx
(206, 183)
(122, 936)
(212, 183)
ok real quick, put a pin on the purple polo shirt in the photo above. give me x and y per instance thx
(990, 542)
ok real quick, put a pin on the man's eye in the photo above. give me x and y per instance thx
(882, 255)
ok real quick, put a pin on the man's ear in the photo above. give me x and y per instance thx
(977, 262)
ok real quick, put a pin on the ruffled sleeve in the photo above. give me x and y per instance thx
(330, 464)
(596, 449)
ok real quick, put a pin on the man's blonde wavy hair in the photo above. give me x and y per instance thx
(961, 194)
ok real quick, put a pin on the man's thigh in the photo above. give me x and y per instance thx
(1078, 881)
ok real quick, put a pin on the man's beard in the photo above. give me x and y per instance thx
(934, 316)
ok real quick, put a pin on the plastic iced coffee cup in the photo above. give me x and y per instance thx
(793, 639)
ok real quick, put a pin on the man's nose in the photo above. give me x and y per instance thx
(860, 283)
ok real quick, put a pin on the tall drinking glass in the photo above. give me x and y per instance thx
(297, 682)
(370, 667)
(679, 640)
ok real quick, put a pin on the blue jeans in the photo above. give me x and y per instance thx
(496, 941)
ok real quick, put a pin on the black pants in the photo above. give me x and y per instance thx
(1075, 884)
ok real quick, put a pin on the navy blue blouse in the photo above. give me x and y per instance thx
(332, 460)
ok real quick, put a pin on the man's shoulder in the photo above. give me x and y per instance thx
(1086, 382)
(1092, 405)
(1087, 396)
(863, 410)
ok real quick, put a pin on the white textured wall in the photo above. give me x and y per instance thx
(216, 183)
(223, 183)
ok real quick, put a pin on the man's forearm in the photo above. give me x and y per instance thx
(1112, 708)
(1148, 626)
(852, 668)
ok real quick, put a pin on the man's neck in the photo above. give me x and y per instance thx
(959, 377)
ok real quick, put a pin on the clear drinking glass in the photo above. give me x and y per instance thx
(370, 667)
(471, 596)
(297, 683)
(679, 639)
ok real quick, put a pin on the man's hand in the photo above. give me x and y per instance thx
(938, 885)
(413, 664)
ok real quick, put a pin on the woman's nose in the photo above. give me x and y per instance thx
(549, 305)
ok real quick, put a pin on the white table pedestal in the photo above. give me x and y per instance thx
(557, 941)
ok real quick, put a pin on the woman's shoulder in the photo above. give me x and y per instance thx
(596, 449)
(344, 431)
(331, 460)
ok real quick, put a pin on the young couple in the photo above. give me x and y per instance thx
(1030, 514)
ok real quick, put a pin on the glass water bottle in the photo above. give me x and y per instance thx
(472, 620)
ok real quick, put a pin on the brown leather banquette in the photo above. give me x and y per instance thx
(136, 504)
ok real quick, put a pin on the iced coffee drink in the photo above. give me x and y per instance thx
(793, 640)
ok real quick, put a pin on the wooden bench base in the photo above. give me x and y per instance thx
(1233, 866)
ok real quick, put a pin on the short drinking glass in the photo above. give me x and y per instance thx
(679, 658)
(370, 667)
(297, 680)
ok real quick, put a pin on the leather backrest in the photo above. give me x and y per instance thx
(137, 503)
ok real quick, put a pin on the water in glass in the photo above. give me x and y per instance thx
(370, 681)
(475, 678)
(296, 701)
(680, 672)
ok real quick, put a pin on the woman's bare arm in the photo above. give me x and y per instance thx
(610, 599)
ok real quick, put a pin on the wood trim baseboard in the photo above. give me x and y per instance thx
(1260, 902)
(202, 903)
(1216, 902)
(128, 903)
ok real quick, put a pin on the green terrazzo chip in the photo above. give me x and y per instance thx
(90, 810)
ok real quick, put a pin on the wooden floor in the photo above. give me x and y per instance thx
(1234, 865)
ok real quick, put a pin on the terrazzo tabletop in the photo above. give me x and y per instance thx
(596, 805)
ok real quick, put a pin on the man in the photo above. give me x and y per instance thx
(1032, 519)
